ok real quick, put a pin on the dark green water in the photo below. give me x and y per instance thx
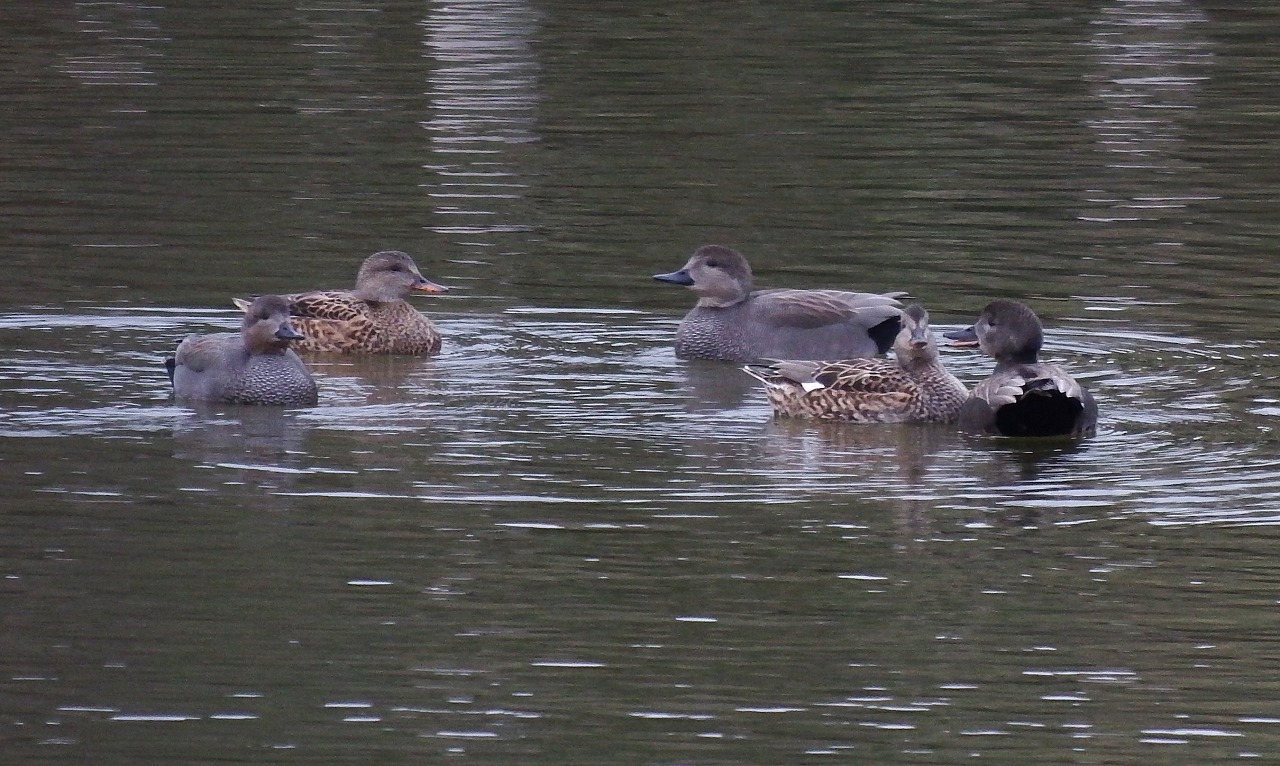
(554, 543)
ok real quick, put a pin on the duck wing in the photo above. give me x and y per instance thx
(858, 390)
(871, 376)
(1032, 400)
(198, 353)
(812, 309)
(335, 305)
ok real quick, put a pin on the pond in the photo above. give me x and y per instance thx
(556, 543)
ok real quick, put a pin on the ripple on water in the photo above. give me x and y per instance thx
(583, 406)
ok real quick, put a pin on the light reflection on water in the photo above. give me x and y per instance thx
(555, 543)
(579, 406)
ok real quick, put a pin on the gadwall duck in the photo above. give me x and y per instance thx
(373, 318)
(1023, 396)
(912, 388)
(733, 324)
(253, 366)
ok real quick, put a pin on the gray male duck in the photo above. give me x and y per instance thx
(253, 366)
(913, 387)
(1023, 396)
(731, 323)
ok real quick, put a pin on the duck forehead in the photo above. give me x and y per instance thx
(387, 262)
(723, 257)
(265, 306)
(390, 264)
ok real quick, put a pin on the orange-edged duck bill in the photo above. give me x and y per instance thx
(427, 286)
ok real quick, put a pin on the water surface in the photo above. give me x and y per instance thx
(555, 543)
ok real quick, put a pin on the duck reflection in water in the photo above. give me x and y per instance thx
(261, 451)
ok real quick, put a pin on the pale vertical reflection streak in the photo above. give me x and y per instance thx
(1151, 59)
(339, 35)
(125, 39)
(483, 94)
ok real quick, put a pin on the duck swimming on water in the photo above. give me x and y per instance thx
(733, 324)
(372, 318)
(253, 366)
(1023, 396)
(913, 387)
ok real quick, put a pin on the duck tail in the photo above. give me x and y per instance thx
(762, 371)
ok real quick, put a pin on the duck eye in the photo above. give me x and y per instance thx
(714, 264)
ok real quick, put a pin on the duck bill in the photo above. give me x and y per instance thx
(288, 332)
(966, 337)
(427, 286)
(680, 277)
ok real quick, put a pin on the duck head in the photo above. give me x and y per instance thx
(720, 276)
(391, 275)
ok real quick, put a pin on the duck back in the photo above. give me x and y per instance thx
(341, 322)
(791, 324)
(1030, 402)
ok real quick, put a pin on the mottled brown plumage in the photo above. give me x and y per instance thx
(373, 318)
(913, 387)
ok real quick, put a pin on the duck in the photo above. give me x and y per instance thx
(1023, 396)
(372, 318)
(914, 387)
(733, 323)
(253, 366)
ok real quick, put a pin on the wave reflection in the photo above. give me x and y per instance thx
(483, 94)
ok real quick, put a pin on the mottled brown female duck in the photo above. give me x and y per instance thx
(373, 318)
(253, 366)
(733, 324)
(1023, 396)
(912, 388)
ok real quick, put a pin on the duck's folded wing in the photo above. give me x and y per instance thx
(335, 305)
(1051, 378)
(1000, 390)
(198, 353)
(873, 376)
(811, 309)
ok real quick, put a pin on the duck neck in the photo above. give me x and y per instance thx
(369, 296)
(1017, 360)
(720, 301)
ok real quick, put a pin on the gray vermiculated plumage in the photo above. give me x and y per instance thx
(913, 387)
(733, 324)
(1023, 396)
(253, 366)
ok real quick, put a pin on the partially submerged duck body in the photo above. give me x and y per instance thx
(372, 318)
(913, 387)
(253, 366)
(1023, 396)
(733, 324)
